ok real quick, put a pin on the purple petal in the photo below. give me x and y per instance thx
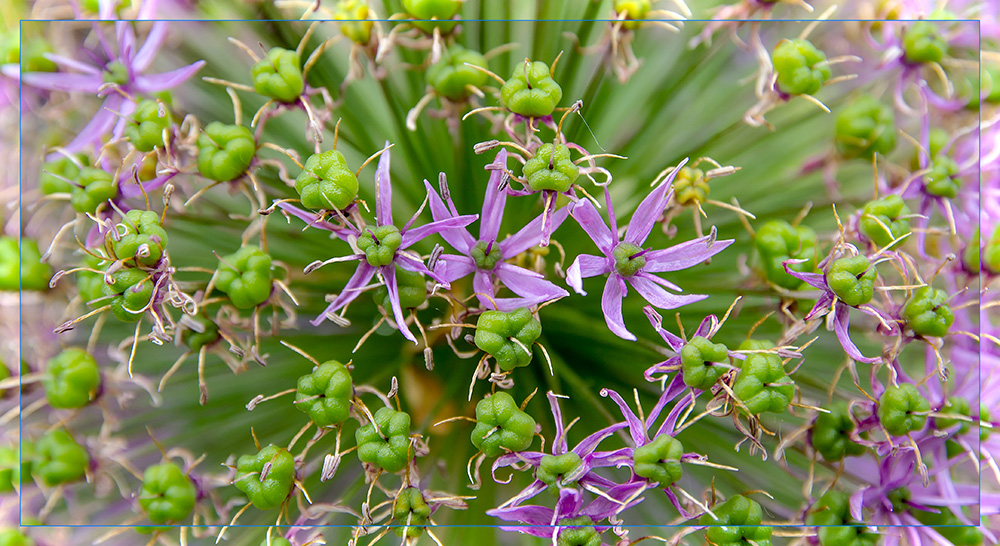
(411, 236)
(532, 288)
(569, 504)
(383, 188)
(155, 83)
(636, 428)
(459, 239)
(123, 33)
(531, 234)
(675, 388)
(351, 291)
(589, 444)
(451, 267)
(602, 507)
(98, 126)
(482, 283)
(495, 200)
(684, 255)
(657, 296)
(144, 57)
(673, 341)
(559, 445)
(61, 81)
(74, 64)
(591, 222)
(586, 266)
(815, 280)
(410, 263)
(611, 304)
(531, 515)
(650, 209)
(389, 274)
(312, 219)
(841, 320)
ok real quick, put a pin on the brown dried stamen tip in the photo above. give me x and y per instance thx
(485, 146)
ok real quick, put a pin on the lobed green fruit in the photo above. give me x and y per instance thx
(865, 127)
(388, 446)
(72, 379)
(762, 384)
(279, 75)
(225, 151)
(830, 435)
(275, 486)
(880, 214)
(55, 173)
(441, 10)
(690, 186)
(325, 394)
(149, 120)
(830, 515)
(59, 459)
(326, 183)
(698, 361)
(353, 18)
(22, 268)
(552, 468)
(196, 340)
(131, 291)
(739, 523)
(168, 495)
(412, 289)
(778, 241)
(923, 42)
(927, 312)
(578, 532)
(144, 239)
(942, 181)
(245, 276)
(495, 331)
(628, 258)
(852, 279)
(900, 408)
(379, 244)
(635, 12)
(501, 426)
(410, 513)
(660, 460)
(452, 77)
(89, 283)
(801, 67)
(530, 91)
(551, 169)
(93, 188)
(486, 255)
(958, 406)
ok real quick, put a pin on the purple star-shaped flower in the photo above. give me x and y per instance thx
(486, 258)
(829, 302)
(709, 327)
(541, 521)
(116, 73)
(625, 260)
(410, 235)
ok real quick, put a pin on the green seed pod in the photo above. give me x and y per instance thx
(71, 379)
(51, 179)
(245, 276)
(578, 532)
(167, 494)
(131, 291)
(12, 470)
(22, 269)
(970, 256)
(635, 12)
(451, 77)
(628, 259)
(991, 253)
(899, 408)
(225, 151)
(830, 514)
(150, 119)
(880, 220)
(388, 446)
(89, 283)
(379, 244)
(923, 42)
(762, 384)
(32, 56)
(279, 75)
(496, 330)
(947, 524)
(927, 312)
(801, 67)
(552, 468)
(690, 186)
(410, 513)
(441, 10)
(530, 91)
(830, 434)
(778, 241)
(660, 460)
(412, 288)
(941, 181)
(326, 183)
(486, 255)
(14, 537)
(865, 127)
(266, 490)
(551, 169)
(143, 240)
(958, 406)
(196, 340)
(739, 523)
(325, 394)
(95, 187)
(501, 426)
(59, 459)
(852, 279)
(698, 360)
(353, 18)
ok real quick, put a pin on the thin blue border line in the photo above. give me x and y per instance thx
(19, 233)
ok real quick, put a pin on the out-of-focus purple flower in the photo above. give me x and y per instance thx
(486, 258)
(387, 273)
(117, 73)
(625, 260)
